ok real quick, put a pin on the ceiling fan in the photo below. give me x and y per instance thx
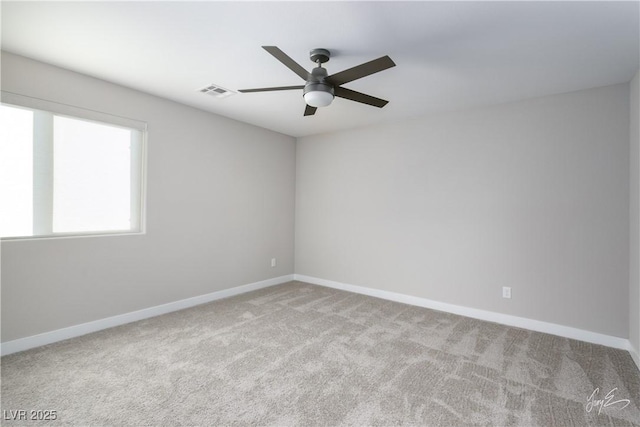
(320, 88)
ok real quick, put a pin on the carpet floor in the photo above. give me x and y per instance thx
(305, 355)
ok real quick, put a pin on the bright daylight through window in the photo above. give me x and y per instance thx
(64, 175)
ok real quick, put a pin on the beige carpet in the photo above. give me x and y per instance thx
(304, 355)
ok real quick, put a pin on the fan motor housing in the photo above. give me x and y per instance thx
(318, 74)
(317, 87)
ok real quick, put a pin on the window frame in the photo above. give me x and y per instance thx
(138, 165)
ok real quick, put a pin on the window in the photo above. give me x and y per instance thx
(65, 171)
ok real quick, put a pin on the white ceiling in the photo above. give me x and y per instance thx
(449, 55)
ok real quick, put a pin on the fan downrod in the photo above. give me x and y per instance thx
(319, 56)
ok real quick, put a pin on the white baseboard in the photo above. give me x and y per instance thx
(635, 355)
(505, 319)
(21, 344)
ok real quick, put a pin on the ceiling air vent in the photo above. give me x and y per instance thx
(217, 91)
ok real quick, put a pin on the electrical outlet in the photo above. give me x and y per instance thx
(273, 262)
(506, 292)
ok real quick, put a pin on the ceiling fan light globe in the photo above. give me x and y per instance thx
(318, 98)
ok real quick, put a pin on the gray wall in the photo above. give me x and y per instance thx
(634, 224)
(220, 205)
(532, 195)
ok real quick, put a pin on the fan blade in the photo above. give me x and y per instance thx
(267, 89)
(361, 70)
(287, 61)
(352, 95)
(309, 110)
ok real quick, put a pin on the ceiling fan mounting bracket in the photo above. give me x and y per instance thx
(319, 56)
